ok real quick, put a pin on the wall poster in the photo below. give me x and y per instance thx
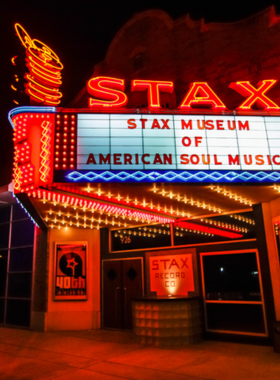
(70, 271)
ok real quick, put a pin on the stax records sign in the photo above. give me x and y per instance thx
(171, 275)
(70, 271)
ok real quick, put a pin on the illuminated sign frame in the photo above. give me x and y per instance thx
(61, 133)
(161, 264)
(171, 274)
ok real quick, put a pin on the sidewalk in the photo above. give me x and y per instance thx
(112, 355)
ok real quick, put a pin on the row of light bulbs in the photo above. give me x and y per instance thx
(74, 218)
(80, 220)
(224, 225)
(135, 233)
(183, 199)
(179, 198)
(151, 232)
(137, 202)
(243, 219)
(230, 195)
(144, 232)
(177, 233)
(191, 230)
(152, 207)
(64, 223)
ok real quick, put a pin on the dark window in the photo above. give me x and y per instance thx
(3, 272)
(21, 259)
(22, 233)
(5, 213)
(19, 285)
(231, 277)
(4, 235)
(18, 312)
(235, 317)
(19, 213)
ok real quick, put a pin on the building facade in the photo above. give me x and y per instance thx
(164, 200)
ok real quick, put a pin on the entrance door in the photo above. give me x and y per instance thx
(122, 281)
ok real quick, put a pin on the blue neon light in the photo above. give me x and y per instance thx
(175, 176)
(21, 205)
(17, 110)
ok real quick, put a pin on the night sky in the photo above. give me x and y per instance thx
(80, 32)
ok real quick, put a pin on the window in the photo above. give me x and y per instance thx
(232, 293)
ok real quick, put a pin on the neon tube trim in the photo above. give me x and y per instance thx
(45, 151)
(23, 109)
(178, 176)
(210, 230)
(153, 90)
(44, 69)
(255, 95)
(21, 205)
(207, 97)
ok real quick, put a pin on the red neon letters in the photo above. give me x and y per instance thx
(255, 95)
(153, 88)
(200, 94)
(110, 90)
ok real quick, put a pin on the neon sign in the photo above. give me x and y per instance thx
(153, 88)
(142, 147)
(109, 89)
(44, 78)
(32, 161)
(171, 274)
(255, 95)
(200, 94)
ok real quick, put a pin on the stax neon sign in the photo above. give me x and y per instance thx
(109, 92)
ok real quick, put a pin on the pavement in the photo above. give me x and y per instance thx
(112, 355)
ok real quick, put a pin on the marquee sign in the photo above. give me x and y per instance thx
(70, 146)
(177, 142)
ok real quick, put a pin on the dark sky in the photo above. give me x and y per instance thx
(80, 31)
